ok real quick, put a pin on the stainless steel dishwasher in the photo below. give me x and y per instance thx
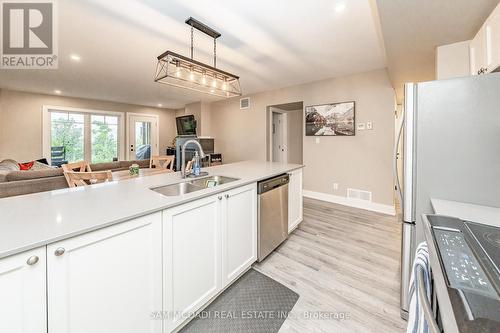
(273, 214)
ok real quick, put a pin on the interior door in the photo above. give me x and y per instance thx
(142, 137)
(279, 137)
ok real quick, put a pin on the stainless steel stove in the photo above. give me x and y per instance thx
(469, 255)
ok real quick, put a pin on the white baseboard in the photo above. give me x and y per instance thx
(372, 206)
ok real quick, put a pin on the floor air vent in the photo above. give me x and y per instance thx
(359, 194)
(244, 103)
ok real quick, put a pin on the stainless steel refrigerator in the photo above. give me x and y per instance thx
(450, 132)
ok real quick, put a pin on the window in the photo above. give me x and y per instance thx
(72, 135)
(104, 138)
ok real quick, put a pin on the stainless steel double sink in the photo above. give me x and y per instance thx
(189, 186)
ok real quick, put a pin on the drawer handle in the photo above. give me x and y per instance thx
(32, 260)
(59, 251)
(227, 196)
(220, 197)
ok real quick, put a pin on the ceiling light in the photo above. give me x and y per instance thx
(340, 7)
(160, 105)
(57, 91)
(75, 57)
(170, 65)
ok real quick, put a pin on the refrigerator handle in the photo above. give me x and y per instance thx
(395, 159)
(409, 153)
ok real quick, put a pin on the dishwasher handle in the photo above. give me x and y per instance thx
(272, 183)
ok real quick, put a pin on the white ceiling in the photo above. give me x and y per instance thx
(412, 29)
(269, 44)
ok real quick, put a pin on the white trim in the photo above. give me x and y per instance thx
(46, 126)
(372, 206)
(135, 114)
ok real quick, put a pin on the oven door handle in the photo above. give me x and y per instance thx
(422, 295)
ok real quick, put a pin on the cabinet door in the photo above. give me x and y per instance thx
(493, 40)
(478, 53)
(191, 258)
(23, 293)
(107, 280)
(295, 199)
(239, 232)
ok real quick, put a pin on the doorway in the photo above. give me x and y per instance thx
(142, 136)
(285, 133)
(279, 133)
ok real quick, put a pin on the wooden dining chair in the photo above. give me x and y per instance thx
(81, 166)
(85, 178)
(189, 165)
(162, 161)
(80, 174)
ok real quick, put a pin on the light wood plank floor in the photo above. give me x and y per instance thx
(342, 262)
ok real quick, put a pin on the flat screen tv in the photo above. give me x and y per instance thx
(186, 125)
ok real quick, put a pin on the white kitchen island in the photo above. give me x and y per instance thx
(119, 257)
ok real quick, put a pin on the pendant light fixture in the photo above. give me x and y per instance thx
(183, 72)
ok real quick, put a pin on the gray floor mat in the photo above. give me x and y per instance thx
(255, 303)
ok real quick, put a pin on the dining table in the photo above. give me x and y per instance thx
(145, 172)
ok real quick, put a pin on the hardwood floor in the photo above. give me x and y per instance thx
(344, 264)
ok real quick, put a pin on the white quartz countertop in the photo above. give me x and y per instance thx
(34, 220)
(465, 211)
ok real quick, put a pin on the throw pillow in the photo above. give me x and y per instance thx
(9, 165)
(26, 166)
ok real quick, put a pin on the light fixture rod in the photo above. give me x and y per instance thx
(192, 41)
(215, 52)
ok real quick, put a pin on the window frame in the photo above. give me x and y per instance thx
(47, 128)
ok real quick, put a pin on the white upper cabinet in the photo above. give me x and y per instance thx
(191, 258)
(107, 280)
(493, 40)
(295, 199)
(485, 47)
(23, 293)
(239, 232)
(453, 60)
(478, 61)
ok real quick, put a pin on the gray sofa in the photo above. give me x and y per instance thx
(15, 182)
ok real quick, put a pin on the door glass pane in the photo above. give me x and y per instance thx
(104, 138)
(142, 140)
(67, 141)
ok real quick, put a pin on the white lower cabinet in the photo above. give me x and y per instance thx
(144, 275)
(295, 199)
(191, 258)
(239, 232)
(207, 243)
(23, 292)
(107, 280)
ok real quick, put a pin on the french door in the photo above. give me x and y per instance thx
(142, 136)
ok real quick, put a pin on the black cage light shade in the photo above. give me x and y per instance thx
(179, 71)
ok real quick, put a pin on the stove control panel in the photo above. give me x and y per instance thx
(462, 268)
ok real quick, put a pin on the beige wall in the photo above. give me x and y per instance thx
(21, 121)
(362, 162)
(295, 134)
(201, 112)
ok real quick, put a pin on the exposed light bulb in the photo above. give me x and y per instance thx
(212, 90)
(204, 80)
(224, 86)
(178, 72)
(214, 83)
(191, 76)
